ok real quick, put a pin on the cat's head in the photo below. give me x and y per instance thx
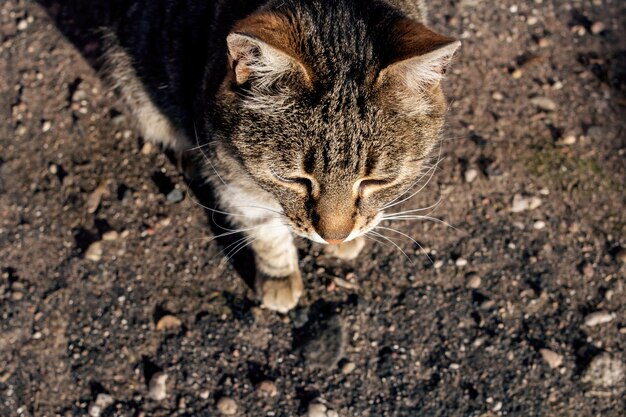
(333, 109)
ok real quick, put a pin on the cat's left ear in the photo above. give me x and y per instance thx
(416, 55)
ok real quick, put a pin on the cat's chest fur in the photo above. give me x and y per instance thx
(312, 117)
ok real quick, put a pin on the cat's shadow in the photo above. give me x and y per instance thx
(80, 21)
(233, 245)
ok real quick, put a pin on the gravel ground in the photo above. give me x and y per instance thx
(115, 302)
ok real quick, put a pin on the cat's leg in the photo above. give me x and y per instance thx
(346, 251)
(278, 280)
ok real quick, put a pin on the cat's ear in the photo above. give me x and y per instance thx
(262, 47)
(416, 56)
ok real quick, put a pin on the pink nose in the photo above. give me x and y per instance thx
(334, 241)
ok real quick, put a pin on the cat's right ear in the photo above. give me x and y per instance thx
(261, 48)
(416, 55)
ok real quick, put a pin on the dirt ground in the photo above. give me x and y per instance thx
(110, 283)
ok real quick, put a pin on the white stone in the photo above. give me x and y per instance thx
(597, 28)
(543, 103)
(227, 406)
(521, 203)
(598, 317)
(604, 371)
(470, 175)
(553, 359)
(94, 252)
(317, 410)
(157, 389)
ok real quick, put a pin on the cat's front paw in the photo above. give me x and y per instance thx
(346, 251)
(280, 293)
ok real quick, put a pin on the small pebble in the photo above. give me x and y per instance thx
(157, 389)
(539, 225)
(22, 24)
(553, 359)
(46, 126)
(438, 264)
(110, 236)
(168, 322)
(597, 28)
(521, 203)
(227, 406)
(332, 413)
(317, 410)
(17, 295)
(94, 252)
(268, 388)
(348, 367)
(94, 199)
(599, 317)
(473, 280)
(470, 175)
(146, 149)
(532, 20)
(102, 402)
(79, 95)
(567, 140)
(497, 96)
(604, 371)
(543, 103)
(544, 42)
(461, 262)
(517, 74)
(175, 196)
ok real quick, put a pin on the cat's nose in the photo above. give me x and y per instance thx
(334, 228)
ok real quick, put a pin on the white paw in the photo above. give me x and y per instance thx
(281, 294)
(346, 251)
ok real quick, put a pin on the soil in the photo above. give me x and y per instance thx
(110, 278)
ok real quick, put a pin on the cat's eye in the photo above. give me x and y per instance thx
(370, 185)
(302, 182)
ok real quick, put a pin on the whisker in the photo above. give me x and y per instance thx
(439, 159)
(235, 231)
(416, 217)
(199, 147)
(393, 243)
(232, 254)
(366, 235)
(432, 206)
(432, 173)
(205, 156)
(408, 237)
(226, 252)
(227, 213)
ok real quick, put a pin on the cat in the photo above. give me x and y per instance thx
(313, 115)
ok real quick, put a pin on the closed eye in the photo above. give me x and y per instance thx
(370, 185)
(295, 181)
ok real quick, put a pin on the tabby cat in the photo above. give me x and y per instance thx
(313, 115)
